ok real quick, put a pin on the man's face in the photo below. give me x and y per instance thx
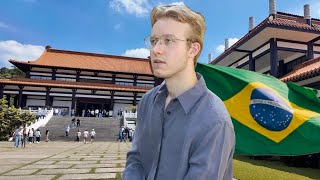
(169, 59)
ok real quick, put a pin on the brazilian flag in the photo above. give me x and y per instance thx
(269, 117)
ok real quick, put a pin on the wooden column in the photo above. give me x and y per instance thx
(310, 52)
(113, 78)
(47, 96)
(135, 98)
(73, 103)
(78, 76)
(8, 96)
(135, 77)
(20, 96)
(112, 100)
(1, 90)
(252, 63)
(54, 71)
(273, 57)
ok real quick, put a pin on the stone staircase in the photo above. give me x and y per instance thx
(106, 128)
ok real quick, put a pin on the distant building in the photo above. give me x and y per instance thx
(77, 81)
(283, 45)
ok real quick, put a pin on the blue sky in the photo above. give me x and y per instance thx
(118, 27)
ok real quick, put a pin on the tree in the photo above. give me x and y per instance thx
(6, 73)
(11, 118)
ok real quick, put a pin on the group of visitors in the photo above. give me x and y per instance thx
(22, 136)
(85, 136)
(95, 113)
(125, 133)
(60, 111)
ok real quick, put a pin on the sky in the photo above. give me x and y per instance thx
(118, 27)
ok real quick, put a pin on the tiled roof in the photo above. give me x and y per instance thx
(290, 20)
(91, 61)
(305, 70)
(73, 85)
(282, 20)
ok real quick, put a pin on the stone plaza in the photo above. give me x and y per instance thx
(63, 160)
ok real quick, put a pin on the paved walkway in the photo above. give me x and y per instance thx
(63, 160)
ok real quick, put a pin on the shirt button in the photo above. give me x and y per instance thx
(175, 100)
(168, 112)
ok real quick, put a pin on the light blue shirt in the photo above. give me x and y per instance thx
(192, 138)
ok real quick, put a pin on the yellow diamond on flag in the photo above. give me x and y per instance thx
(265, 111)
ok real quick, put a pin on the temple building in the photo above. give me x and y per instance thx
(283, 45)
(77, 81)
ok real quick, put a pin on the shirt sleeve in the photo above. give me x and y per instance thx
(134, 169)
(212, 159)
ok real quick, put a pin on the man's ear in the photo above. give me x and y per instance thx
(194, 49)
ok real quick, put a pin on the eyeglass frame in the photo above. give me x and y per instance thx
(161, 39)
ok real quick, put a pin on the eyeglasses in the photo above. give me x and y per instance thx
(166, 40)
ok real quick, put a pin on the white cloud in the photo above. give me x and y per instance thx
(221, 47)
(16, 51)
(177, 3)
(137, 7)
(139, 53)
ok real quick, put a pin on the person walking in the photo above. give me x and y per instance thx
(18, 135)
(67, 129)
(85, 136)
(78, 122)
(38, 135)
(24, 137)
(30, 135)
(78, 134)
(47, 135)
(92, 135)
(120, 135)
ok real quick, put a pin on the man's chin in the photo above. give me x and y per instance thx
(159, 74)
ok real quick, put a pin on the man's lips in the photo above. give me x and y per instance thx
(158, 61)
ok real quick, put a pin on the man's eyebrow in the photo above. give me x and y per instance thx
(152, 36)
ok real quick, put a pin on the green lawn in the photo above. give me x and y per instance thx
(246, 168)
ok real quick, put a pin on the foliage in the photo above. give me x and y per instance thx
(6, 73)
(132, 108)
(11, 118)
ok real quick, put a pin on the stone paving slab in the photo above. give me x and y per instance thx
(64, 171)
(109, 170)
(62, 160)
(59, 166)
(31, 177)
(114, 161)
(89, 176)
(95, 166)
(21, 172)
(76, 162)
(45, 162)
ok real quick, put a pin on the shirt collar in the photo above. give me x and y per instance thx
(191, 96)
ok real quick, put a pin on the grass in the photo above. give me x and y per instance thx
(245, 168)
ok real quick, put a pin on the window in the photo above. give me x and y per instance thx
(41, 77)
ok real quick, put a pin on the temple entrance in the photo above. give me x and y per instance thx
(89, 107)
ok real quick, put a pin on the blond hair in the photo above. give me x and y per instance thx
(184, 14)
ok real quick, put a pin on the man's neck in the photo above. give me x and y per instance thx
(179, 84)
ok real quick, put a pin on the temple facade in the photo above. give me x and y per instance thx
(283, 45)
(79, 81)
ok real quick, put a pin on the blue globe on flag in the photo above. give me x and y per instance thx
(269, 110)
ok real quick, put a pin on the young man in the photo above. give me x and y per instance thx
(47, 135)
(183, 130)
(92, 135)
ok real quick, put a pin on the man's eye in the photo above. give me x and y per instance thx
(153, 41)
(168, 40)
